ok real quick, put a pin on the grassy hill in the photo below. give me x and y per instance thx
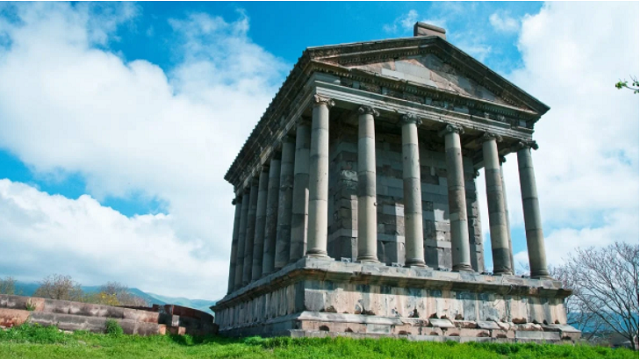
(39, 342)
(27, 289)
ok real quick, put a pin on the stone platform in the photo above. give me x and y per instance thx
(318, 297)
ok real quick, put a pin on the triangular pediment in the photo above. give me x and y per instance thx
(433, 62)
(431, 71)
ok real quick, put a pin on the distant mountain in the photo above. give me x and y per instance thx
(27, 289)
(200, 304)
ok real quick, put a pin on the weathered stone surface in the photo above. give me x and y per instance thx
(389, 189)
(70, 316)
(319, 295)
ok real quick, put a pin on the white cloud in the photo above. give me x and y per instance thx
(129, 127)
(404, 22)
(503, 22)
(40, 233)
(587, 164)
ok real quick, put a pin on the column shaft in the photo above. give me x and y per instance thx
(300, 206)
(251, 232)
(460, 251)
(271, 225)
(319, 179)
(261, 214)
(495, 201)
(414, 236)
(532, 219)
(242, 239)
(283, 235)
(237, 202)
(506, 214)
(367, 216)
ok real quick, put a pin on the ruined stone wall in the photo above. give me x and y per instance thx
(343, 203)
(70, 315)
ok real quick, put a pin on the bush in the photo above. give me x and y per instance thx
(34, 333)
(112, 327)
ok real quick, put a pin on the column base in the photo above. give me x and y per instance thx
(368, 260)
(462, 268)
(415, 263)
(541, 275)
(320, 255)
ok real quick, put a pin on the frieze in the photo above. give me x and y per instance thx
(413, 98)
(370, 87)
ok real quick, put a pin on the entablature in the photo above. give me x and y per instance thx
(434, 117)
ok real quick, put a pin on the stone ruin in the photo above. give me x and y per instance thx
(71, 316)
(356, 209)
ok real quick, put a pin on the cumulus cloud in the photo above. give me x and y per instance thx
(45, 234)
(503, 22)
(404, 23)
(587, 164)
(69, 105)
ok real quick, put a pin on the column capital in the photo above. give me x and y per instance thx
(451, 128)
(410, 118)
(237, 200)
(322, 100)
(303, 121)
(368, 110)
(525, 144)
(288, 139)
(488, 136)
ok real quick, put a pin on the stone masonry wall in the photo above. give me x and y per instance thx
(69, 315)
(343, 214)
(315, 295)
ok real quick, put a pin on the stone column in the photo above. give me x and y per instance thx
(413, 234)
(242, 238)
(261, 216)
(251, 232)
(495, 200)
(506, 213)
(300, 206)
(531, 209)
(460, 251)
(367, 215)
(283, 235)
(271, 225)
(237, 202)
(319, 178)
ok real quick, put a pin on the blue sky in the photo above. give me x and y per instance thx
(118, 121)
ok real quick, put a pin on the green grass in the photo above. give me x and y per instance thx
(32, 341)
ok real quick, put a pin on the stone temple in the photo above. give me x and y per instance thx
(356, 208)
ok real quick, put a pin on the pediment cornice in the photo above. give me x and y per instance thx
(380, 51)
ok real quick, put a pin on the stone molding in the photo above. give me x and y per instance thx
(410, 118)
(322, 269)
(450, 128)
(368, 110)
(322, 100)
(488, 136)
(525, 144)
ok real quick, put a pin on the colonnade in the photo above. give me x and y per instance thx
(283, 214)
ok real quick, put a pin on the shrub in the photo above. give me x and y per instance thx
(112, 327)
(30, 306)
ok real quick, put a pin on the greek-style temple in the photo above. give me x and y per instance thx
(356, 208)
